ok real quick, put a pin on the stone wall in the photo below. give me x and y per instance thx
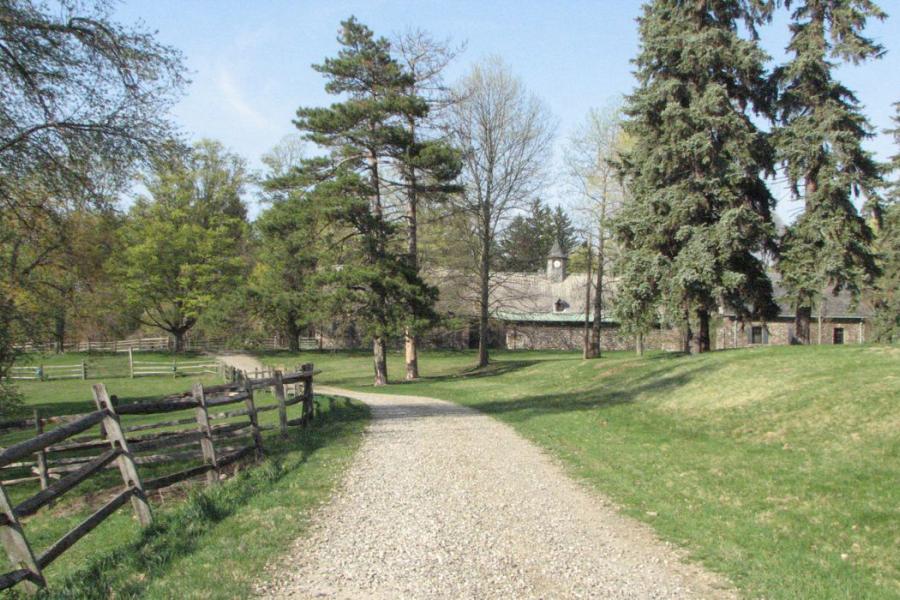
(547, 336)
(734, 334)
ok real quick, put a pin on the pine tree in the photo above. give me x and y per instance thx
(887, 287)
(563, 230)
(527, 239)
(368, 140)
(820, 143)
(699, 208)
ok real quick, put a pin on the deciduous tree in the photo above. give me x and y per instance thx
(504, 133)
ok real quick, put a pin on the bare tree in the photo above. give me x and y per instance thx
(590, 158)
(504, 133)
(425, 59)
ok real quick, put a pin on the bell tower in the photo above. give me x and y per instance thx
(556, 264)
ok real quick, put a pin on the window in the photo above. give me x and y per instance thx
(756, 334)
(838, 336)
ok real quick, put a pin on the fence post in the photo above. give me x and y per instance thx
(83, 370)
(41, 455)
(131, 362)
(17, 547)
(251, 415)
(124, 461)
(307, 393)
(40, 372)
(206, 442)
(282, 407)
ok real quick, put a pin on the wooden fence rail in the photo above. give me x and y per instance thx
(213, 439)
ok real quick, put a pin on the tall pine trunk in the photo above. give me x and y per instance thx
(293, 334)
(410, 342)
(379, 353)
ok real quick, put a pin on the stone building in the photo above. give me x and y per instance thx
(836, 321)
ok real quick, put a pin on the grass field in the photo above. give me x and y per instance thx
(777, 466)
(210, 543)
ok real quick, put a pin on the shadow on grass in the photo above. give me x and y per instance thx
(126, 571)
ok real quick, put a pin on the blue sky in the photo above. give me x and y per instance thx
(250, 61)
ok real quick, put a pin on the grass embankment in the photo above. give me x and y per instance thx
(211, 543)
(777, 466)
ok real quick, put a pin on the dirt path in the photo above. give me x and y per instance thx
(444, 502)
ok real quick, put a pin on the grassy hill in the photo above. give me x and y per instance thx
(777, 466)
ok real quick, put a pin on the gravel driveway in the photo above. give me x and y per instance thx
(444, 502)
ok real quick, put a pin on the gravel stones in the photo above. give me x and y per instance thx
(444, 502)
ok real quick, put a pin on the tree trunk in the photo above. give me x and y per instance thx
(587, 347)
(293, 335)
(701, 342)
(59, 333)
(379, 351)
(639, 344)
(598, 300)
(801, 324)
(686, 334)
(484, 303)
(412, 356)
(412, 200)
(179, 339)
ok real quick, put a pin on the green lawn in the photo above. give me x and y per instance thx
(212, 543)
(777, 466)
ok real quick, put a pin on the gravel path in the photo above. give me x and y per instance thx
(444, 502)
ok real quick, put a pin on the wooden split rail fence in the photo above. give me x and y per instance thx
(214, 440)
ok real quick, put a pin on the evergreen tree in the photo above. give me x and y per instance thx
(887, 288)
(527, 240)
(563, 230)
(698, 201)
(820, 143)
(368, 139)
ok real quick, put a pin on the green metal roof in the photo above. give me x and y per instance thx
(542, 317)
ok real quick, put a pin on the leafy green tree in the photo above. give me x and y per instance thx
(820, 144)
(282, 287)
(694, 171)
(184, 243)
(368, 139)
(83, 100)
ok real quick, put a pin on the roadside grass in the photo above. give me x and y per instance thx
(776, 466)
(205, 542)
(214, 543)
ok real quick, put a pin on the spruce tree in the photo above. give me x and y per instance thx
(887, 287)
(367, 141)
(699, 209)
(820, 144)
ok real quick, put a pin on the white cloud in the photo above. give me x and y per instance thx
(235, 100)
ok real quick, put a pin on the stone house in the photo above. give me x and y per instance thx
(836, 321)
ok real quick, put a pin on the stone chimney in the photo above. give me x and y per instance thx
(556, 264)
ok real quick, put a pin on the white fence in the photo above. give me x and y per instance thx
(141, 368)
(48, 372)
(137, 345)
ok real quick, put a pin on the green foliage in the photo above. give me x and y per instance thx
(184, 244)
(282, 286)
(699, 209)
(820, 143)
(526, 242)
(368, 138)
